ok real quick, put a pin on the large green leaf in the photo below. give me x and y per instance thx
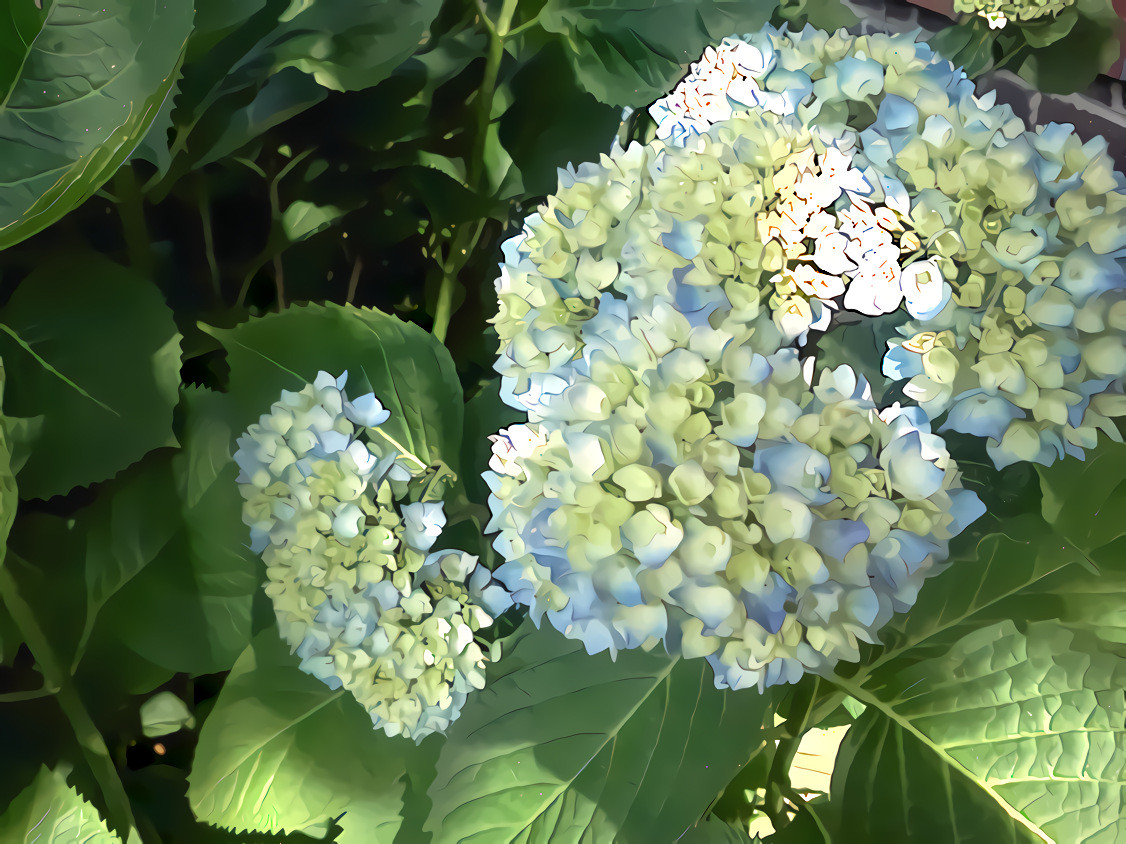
(80, 83)
(173, 527)
(51, 812)
(890, 786)
(561, 746)
(127, 528)
(630, 53)
(1033, 717)
(411, 373)
(1007, 677)
(98, 355)
(282, 752)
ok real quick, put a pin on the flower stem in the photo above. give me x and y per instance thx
(119, 812)
(778, 781)
(450, 266)
(131, 210)
(476, 175)
(204, 202)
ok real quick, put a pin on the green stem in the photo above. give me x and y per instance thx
(401, 448)
(35, 694)
(204, 202)
(55, 676)
(528, 24)
(270, 252)
(487, 92)
(449, 267)
(458, 254)
(354, 279)
(279, 282)
(443, 310)
(131, 210)
(778, 780)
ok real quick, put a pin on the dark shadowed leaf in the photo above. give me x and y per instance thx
(576, 128)
(829, 15)
(109, 333)
(1071, 61)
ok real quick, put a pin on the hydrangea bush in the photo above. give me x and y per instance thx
(799, 437)
(356, 589)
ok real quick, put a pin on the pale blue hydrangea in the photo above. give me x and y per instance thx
(357, 590)
(679, 480)
(1026, 228)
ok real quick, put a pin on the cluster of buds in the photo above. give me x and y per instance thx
(358, 591)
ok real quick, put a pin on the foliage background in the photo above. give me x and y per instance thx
(317, 158)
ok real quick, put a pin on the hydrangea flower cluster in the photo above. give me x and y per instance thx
(999, 12)
(857, 250)
(728, 510)
(357, 590)
(682, 478)
(1026, 228)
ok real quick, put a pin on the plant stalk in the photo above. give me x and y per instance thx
(120, 813)
(131, 210)
(475, 170)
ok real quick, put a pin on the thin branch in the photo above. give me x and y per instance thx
(279, 281)
(354, 280)
(204, 202)
(34, 694)
(131, 210)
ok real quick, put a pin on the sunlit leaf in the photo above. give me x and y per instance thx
(410, 372)
(281, 752)
(304, 219)
(1006, 682)
(561, 746)
(51, 812)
